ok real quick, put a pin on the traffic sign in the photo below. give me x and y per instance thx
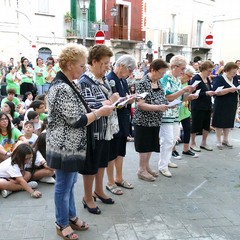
(99, 37)
(209, 39)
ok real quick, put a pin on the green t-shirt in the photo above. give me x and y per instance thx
(42, 116)
(15, 101)
(40, 80)
(184, 110)
(11, 84)
(24, 78)
(16, 134)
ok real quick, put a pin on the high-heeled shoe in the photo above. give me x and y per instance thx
(95, 210)
(104, 200)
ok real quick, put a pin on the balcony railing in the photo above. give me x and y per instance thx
(76, 28)
(175, 38)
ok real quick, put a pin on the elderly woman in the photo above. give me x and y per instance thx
(122, 69)
(225, 104)
(147, 118)
(68, 138)
(97, 92)
(169, 131)
(202, 106)
(184, 112)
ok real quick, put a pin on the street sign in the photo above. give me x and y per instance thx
(99, 37)
(209, 39)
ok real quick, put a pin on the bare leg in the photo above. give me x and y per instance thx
(110, 173)
(204, 137)
(118, 167)
(88, 184)
(99, 183)
(193, 137)
(10, 185)
(218, 134)
(225, 134)
(45, 172)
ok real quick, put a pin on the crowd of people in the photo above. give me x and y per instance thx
(59, 120)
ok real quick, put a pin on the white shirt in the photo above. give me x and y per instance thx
(32, 139)
(7, 170)
(39, 159)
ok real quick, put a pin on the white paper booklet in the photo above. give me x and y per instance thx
(142, 95)
(219, 89)
(196, 83)
(174, 103)
(197, 92)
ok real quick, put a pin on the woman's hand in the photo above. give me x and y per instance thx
(192, 97)
(210, 93)
(232, 89)
(189, 88)
(114, 97)
(105, 110)
(163, 107)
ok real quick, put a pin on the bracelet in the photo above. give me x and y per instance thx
(32, 193)
(96, 116)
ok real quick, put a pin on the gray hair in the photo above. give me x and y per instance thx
(177, 60)
(126, 60)
(190, 70)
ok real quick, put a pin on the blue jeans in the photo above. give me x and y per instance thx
(40, 89)
(64, 197)
(46, 87)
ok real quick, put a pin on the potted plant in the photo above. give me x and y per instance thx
(67, 17)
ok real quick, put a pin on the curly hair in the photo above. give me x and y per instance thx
(97, 52)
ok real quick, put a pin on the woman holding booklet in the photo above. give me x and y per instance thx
(169, 131)
(147, 118)
(225, 104)
(202, 106)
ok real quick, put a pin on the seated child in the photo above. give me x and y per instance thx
(33, 117)
(29, 99)
(12, 177)
(38, 167)
(29, 133)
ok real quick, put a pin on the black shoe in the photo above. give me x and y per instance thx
(95, 210)
(176, 155)
(190, 153)
(104, 200)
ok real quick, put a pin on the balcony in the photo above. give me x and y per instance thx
(75, 29)
(174, 39)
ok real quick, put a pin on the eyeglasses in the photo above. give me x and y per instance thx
(190, 76)
(3, 119)
(182, 69)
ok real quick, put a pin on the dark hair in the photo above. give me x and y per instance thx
(27, 93)
(37, 60)
(40, 97)
(12, 108)
(40, 145)
(44, 124)
(51, 59)
(36, 104)
(97, 52)
(11, 91)
(206, 65)
(31, 115)
(19, 154)
(229, 66)
(9, 127)
(28, 123)
(24, 69)
(158, 64)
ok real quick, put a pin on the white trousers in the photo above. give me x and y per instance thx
(169, 133)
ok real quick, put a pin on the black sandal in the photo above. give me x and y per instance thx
(67, 237)
(74, 226)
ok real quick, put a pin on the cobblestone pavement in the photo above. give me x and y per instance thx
(201, 201)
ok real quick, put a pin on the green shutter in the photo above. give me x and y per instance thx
(92, 11)
(73, 9)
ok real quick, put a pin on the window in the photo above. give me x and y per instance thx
(199, 33)
(43, 6)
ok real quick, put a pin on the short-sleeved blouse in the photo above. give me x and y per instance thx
(154, 97)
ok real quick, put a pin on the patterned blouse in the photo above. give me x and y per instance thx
(170, 86)
(154, 97)
(95, 93)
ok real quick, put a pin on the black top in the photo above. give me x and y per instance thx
(203, 102)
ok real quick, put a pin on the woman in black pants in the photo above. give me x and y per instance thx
(185, 114)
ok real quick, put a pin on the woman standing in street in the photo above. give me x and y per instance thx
(147, 118)
(67, 136)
